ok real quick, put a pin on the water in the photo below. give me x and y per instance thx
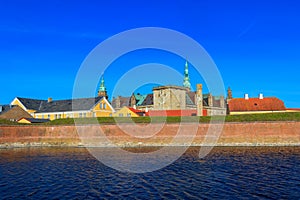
(227, 173)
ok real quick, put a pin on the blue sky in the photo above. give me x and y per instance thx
(255, 44)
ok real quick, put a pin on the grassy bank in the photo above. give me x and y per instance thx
(7, 122)
(231, 118)
(290, 116)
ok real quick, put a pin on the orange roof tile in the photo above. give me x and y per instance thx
(256, 104)
(135, 110)
(138, 112)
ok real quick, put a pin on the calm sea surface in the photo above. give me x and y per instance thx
(227, 173)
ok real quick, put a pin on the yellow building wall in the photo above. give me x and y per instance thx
(125, 112)
(102, 109)
(16, 102)
(24, 121)
(31, 112)
(51, 115)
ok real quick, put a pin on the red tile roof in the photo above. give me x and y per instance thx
(256, 104)
(135, 110)
(138, 112)
(172, 113)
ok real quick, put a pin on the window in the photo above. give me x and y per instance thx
(121, 115)
(94, 114)
(104, 105)
(84, 114)
(100, 105)
(80, 115)
(128, 114)
(48, 116)
(110, 115)
(42, 116)
(58, 116)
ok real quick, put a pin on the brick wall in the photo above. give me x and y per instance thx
(233, 134)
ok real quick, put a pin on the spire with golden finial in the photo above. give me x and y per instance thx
(102, 89)
(186, 80)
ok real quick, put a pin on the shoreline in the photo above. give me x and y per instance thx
(20, 146)
(143, 123)
(249, 134)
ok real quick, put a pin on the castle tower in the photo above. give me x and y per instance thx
(199, 98)
(210, 100)
(186, 80)
(222, 101)
(229, 94)
(102, 89)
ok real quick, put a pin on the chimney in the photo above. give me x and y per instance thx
(49, 99)
(261, 96)
(246, 96)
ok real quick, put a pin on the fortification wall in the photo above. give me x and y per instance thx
(233, 134)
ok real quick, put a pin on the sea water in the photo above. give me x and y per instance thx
(227, 173)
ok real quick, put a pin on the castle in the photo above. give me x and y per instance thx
(174, 100)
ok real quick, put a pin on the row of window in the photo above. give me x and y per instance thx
(71, 115)
(121, 115)
(102, 105)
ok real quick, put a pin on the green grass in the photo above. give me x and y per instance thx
(291, 116)
(7, 122)
(231, 118)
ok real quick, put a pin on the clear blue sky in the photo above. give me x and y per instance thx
(255, 44)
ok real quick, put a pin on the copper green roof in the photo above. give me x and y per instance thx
(139, 99)
(186, 80)
(102, 87)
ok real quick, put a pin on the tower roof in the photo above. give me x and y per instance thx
(102, 87)
(229, 93)
(186, 80)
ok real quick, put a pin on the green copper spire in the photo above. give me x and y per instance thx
(102, 89)
(186, 80)
(102, 86)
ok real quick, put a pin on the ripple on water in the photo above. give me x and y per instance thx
(72, 173)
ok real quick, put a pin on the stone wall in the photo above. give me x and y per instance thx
(169, 98)
(233, 134)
